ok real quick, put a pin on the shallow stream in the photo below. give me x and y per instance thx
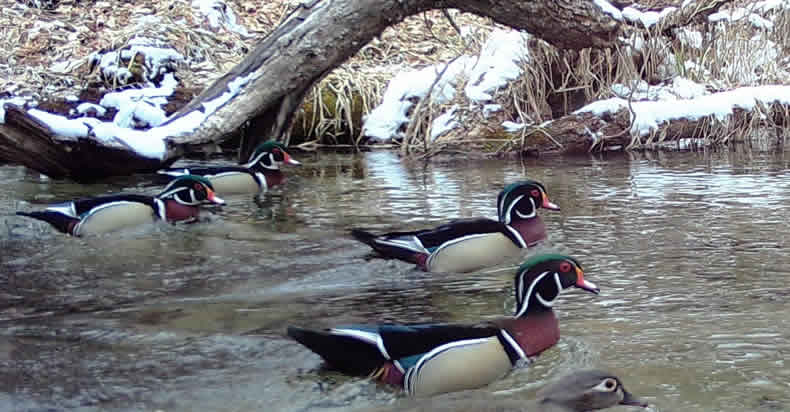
(690, 251)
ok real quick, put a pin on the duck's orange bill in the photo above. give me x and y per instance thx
(290, 160)
(547, 203)
(214, 198)
(582, 283)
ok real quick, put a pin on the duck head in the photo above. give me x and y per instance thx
(521, 200)
(270, 155)
(541, 279)
(190, 190)
(587, 390)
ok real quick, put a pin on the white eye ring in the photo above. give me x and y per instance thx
(607, 385)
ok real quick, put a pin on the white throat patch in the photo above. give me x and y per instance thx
(525, 297)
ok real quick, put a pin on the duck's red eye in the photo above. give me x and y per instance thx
(565, 267)
(535, 193)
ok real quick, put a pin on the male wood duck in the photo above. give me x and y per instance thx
(584, 390)
(257, 176)
(178, 202)
(467, 245)
(429, 359)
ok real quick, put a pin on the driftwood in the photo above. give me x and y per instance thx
(317, 37)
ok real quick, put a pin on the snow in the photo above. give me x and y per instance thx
(136, 107)
(141, 106)
(87, 107)
(489, 109)
(444, 123)
(19, 101)
(689, 37)
(647, 18)
(405, 89)
(158, 60)
(148, 143)
(739, 14)
(650, 114)
(609, 9)
(234, 87)
(219, 14)
(679, 88)
(768, 5)
(500, 61)
(70, 129)
(513, 127)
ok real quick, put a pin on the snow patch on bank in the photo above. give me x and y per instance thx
(219, 14)
(647, 18)
(500, 62)
(157, 61)
(649, 115)
(680, 88)
(609, 9)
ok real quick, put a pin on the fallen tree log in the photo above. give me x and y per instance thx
(715, 118)
(259, 96)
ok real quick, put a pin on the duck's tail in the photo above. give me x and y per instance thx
(344, 353)
(395, 245)
(58, 220)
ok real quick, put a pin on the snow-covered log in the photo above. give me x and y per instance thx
(616, 124)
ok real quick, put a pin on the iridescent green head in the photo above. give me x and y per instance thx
(541, 279)
(190, 190)
(270, 155)
(521, 200)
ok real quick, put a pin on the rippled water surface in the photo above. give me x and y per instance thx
(690, 251)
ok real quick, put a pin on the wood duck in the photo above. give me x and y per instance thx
(178, 202)
(467, 245)
(584, 390)
(429, 359)
(257, 176)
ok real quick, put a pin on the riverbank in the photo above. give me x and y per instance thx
(437, 83)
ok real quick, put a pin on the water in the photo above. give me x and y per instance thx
(690, 251)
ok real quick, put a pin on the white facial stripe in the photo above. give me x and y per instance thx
(559, 284)
(529, 216)
(169, 192)
(525, 298)
(544, 302)
(272, 163)
(510, 207)
(549, 303)
(255, 160)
